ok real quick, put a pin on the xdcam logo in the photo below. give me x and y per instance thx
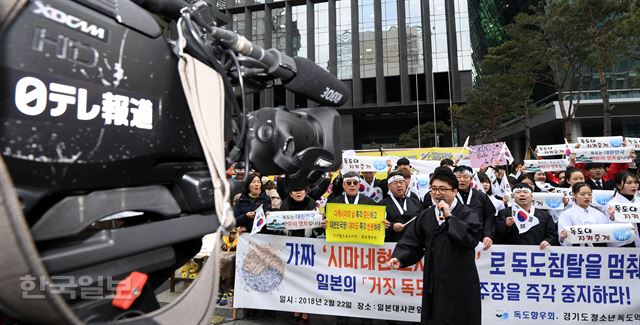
(70, 21)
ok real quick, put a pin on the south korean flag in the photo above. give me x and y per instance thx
(524, 220)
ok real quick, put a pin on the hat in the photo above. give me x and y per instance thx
(403, 161)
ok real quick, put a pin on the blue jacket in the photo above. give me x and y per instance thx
(245, 204)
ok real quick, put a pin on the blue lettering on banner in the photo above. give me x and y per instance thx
(346, 283)
(302, 254)
(497, 262)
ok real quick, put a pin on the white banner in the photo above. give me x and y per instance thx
(600, 142)
(564, 190)
(552, 150)
(602, 197)
(308, 275)
(379, 164)
(627, 212)
(548, 201)
(604, 233)
(545, 165)
(606, 155)
(519, 285)
(634, 142)
(293, 220)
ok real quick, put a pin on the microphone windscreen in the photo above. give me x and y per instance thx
(317, 84)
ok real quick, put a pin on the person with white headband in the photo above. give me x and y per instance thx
(446, 236)
(400, 208)
(523, 224)
(351, 194)
(478, 201)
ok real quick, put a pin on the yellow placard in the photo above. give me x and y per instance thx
(355, 223)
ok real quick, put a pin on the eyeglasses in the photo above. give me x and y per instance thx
(440, 189)
(349, 183)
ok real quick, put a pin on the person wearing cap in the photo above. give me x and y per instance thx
(477, 201)
(523, 224)
(596, 180)
(446, 236)
(351, 191)
(400, 208)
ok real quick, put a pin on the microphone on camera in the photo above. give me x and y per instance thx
(317, 84)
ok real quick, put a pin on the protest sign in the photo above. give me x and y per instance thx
(551, 150)
(603, 155)
(548, 201)
(600, 142)
(364, 164)
(626, 212)
(604, 233)
(564, 190)
(487, 155)
(355, 223)
(634, 143)
(545, 165)
(518, 284)
(293, 220)
(602, 197)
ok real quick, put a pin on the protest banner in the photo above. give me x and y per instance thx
(548, 201)
(518, 284)
(551, 150)
(634, 143)
(293, 220)
(600, 142)
(434, 153)
(564, 190)
(601, 197)
(364, 164)
(601, 233)
(545, 165)
(603, 155)
(487, 155)
(355, 223)
(626, 212)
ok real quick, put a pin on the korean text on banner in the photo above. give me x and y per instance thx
(518, 284)
(293, 220)
(634, 142)
(626, 212)
(548, 201)
(601, 233)
(487, 155)
(606, 155)
(355, 223)
(551, 150)
(600, 142)
(364, 164)
(545, 165)
(308, 275)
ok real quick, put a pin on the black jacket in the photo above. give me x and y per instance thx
(545, 230)
(246, 204)
(606, 185)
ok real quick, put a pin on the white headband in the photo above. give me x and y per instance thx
(395, 178)
(354, 178)
(521, 189)
(464, 172)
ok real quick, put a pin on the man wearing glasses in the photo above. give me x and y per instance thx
(400, 209)
(446, 235)
(478, 202)
(351, 194)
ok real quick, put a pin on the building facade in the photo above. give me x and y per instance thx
(400, 58)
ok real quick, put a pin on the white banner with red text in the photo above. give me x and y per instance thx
(518, 284)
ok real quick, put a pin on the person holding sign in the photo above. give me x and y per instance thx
(581, 213)
(351, 194)
(626, 190)
(523, 224)
(445, 235)
(400, 209)
(253, 196)
(478, 201)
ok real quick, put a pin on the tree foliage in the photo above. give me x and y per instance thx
(410, 138)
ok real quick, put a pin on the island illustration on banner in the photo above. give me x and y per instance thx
(262, 270)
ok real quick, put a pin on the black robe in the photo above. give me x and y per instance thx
(482, 205)
(545, 230)
(362, 200)
(451, 293)
(393, 215)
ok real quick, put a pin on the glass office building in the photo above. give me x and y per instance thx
(397, 57)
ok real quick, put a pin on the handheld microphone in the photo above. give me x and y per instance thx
(441, 199)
